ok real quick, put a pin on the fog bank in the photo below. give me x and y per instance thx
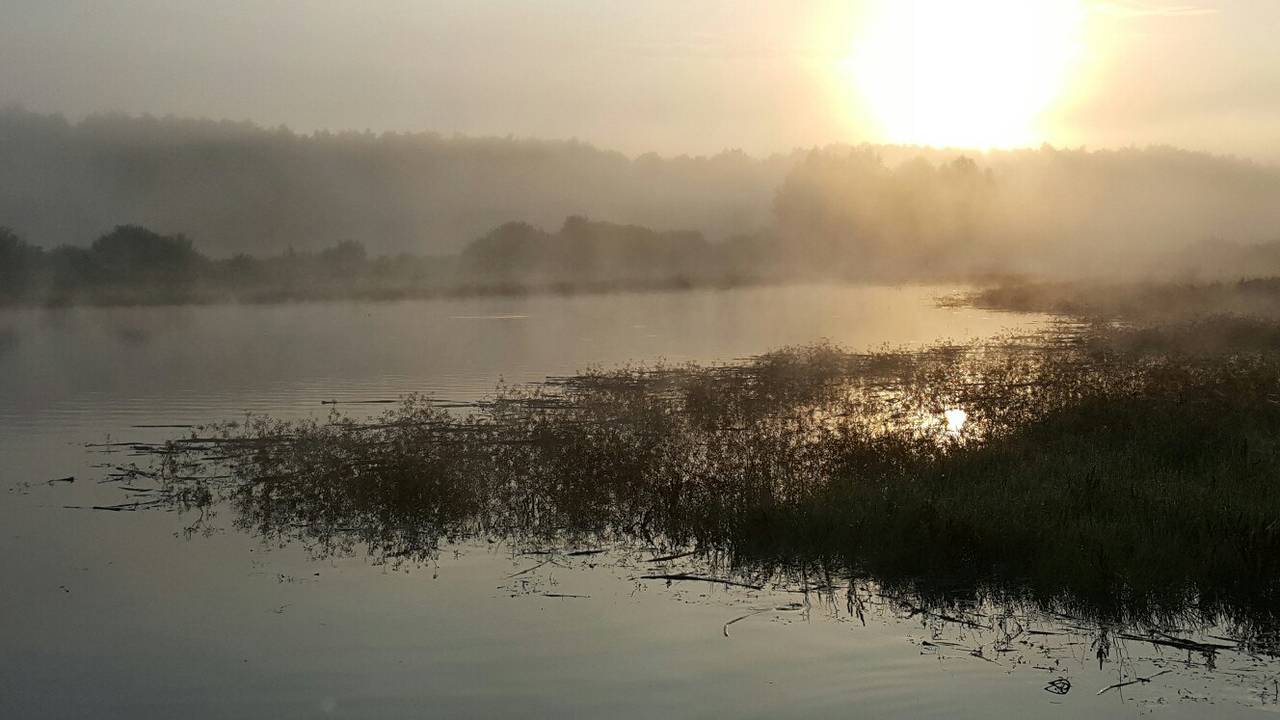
(866, 212)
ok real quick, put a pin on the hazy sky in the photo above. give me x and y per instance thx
(672, 75)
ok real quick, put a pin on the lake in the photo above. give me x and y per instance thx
(123, 614)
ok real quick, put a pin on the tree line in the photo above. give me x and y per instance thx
(132, 264)
(867, 210)
(846, 213)
(238, 187)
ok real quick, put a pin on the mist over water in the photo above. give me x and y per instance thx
(302, 566)
(194, 364)
(367, 393)
(941, 380)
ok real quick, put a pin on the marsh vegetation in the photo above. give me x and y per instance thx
(1120, 477)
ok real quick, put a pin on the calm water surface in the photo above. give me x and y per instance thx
(110, 614)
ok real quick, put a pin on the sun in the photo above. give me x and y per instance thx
(971, 73)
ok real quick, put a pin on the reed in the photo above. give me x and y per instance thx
(1125, 477)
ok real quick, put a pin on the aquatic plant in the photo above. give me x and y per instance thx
(1123, 477)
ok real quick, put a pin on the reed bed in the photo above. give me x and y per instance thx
(1122, 477)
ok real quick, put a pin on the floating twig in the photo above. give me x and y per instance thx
(1179, 643)
(725, 629)
(531, 569)
(358, 402)
(678, 577)
(1135, 681)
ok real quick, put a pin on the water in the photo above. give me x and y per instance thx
(122, 615)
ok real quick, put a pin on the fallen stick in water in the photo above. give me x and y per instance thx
(128, 507)
(1134, 681)
(358, 402)
(1179, 643)
(676, 577)
(725, 629)
(531, 569)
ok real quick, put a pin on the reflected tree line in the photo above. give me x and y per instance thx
(1120, 478)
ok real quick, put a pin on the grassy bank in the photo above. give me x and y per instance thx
(1153, 301)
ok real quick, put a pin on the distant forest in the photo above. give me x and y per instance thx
(133, 265)
(213, 209)
(237, 187)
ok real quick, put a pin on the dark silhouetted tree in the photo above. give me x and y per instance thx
(131, 253)
(19, 263)
(344, 260)
(513, 248)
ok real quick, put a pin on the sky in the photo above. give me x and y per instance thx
(673, 76)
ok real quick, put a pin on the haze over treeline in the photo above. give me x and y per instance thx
(869, 212)
(236, 187)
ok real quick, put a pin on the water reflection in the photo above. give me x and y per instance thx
(1085, 489)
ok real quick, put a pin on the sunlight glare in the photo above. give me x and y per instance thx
(975, 74)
